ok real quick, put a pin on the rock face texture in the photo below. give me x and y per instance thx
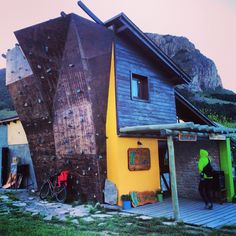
(201, 69)
(54, 79)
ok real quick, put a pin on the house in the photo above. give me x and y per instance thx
(13, 143)
(99, 99)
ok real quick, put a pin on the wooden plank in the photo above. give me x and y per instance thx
(174, 192)
(192, 212)
(129, 59)
(156, 127)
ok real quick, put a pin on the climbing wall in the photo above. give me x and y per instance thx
(58, 77)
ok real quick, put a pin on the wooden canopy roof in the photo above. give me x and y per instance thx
(188, 128)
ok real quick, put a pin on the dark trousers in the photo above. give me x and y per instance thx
(205, 190)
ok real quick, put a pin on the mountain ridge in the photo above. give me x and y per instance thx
(200, 68)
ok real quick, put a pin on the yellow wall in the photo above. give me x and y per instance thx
(117, 157)
(16, 133)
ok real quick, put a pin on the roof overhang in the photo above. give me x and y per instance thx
(8, 120)
(121, 24)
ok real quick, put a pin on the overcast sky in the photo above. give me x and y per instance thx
(209, 24)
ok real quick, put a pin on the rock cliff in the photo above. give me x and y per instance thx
(201, 69)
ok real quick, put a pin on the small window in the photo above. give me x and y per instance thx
(139, 87)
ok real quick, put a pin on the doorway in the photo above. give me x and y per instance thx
(164, 168)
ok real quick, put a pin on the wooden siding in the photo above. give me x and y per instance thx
(160, 108)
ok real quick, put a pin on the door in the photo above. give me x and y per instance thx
(164, 167)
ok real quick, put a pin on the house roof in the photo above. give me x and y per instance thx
(187, 112)
(8, 120)
(122, 24)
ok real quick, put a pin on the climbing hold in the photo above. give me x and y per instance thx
(4, 56)
(39, 67)
(48, 70)
(46, 49)
(71, 65)
(78, 91)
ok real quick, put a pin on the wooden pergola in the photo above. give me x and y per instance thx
(185, 132)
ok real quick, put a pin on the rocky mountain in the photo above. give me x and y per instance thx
(201, 69)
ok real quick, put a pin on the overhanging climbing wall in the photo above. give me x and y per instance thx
(58, 79)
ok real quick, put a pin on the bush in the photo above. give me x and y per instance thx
(125, 197)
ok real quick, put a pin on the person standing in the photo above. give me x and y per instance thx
(206, 178)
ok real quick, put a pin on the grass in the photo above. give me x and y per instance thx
(15, 222)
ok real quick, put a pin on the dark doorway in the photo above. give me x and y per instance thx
(164, 167)
(5, 164)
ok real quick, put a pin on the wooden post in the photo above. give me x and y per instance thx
(174, 194)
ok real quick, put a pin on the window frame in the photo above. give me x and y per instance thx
(138, 76)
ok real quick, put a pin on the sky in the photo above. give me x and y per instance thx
(209, 24)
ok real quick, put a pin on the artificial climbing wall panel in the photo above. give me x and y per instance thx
(62, 104)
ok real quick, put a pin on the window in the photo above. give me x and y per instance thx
(139, 87)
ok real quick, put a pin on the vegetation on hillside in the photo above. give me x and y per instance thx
(218, 105)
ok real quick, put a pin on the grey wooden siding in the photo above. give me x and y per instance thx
(160, 108)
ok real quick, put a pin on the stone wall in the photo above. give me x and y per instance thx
(186, 157)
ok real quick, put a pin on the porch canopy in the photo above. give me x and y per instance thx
(184, 132)
(176, 129)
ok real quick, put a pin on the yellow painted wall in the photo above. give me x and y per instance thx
(117, 156)
(16, 133)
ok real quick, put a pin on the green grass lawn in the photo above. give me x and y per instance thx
(19, 224)
(13, 222)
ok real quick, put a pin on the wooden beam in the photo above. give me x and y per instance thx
(121, 29)
(174, 192)
(167, 132)
(90, 13)
(156, 127)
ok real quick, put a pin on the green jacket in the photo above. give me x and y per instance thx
(203, 161)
